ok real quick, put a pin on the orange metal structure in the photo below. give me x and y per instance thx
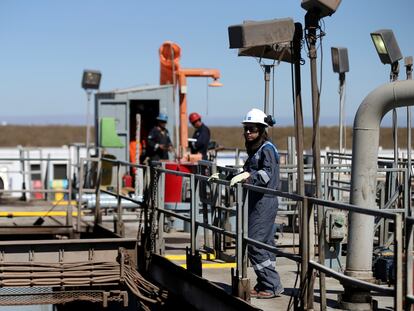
(169, 62)
(183, 74)
(172, 73)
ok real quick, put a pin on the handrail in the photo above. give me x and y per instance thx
(389, 214)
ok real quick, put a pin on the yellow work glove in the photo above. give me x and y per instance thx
(238, 178)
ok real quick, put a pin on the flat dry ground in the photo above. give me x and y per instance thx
(55, 135)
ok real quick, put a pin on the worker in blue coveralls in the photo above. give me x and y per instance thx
(159, 142)
(261, 169)
(201, 136)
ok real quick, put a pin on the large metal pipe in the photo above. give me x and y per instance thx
(364, 171)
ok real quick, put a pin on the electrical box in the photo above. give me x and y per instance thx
(336, 226)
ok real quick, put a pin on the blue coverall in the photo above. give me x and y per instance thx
(202, 135)
(263, 167)
(157, 137)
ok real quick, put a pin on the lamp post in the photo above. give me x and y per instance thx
(389, 53)
(316, 10)
(360, 225)
(340, 65)
(408, 63)
(91, 80)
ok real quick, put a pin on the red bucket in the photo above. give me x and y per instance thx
(174, 183)
(37, 185)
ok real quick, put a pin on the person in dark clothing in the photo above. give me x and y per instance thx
(201, 136)
(159, 142)
(261, 169)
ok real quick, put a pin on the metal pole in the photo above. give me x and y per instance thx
(311, 24)
(341, 111)
(98, 212)
(160, 243)
(88, 94)
(239, 228)
(408, 262)
(394, 77)
(408, 228)
(119, 226)
(398, 257)
(176, 113)
(80, 194)
(23, 167)
(242, 285)
(299, 133)
(69, 209)
(409, 70)
(304, 256)
(267, 69)
(245, 230)
(193, 213)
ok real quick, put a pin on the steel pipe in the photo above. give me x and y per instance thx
(364, 171)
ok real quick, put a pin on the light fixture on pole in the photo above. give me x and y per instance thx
(389, 53)
(91, 80)
(340, 65)
(408, 63)
(269, 39)
(362, 225)
(316, 10)
(386, 46)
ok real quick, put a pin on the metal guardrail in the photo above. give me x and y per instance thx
(409, 261)
(27, 179)
(305, 258)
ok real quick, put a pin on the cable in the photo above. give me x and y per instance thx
(84, 273)
(321, 35)
(207, 96)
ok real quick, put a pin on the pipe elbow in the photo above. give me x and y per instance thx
(381, 100)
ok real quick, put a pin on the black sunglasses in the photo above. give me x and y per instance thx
(251, 129)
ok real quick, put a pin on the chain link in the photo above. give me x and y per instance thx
(153, 208)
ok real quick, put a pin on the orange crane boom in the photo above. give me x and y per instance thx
(172, 73)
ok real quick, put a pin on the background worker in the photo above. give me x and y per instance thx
(261, 169)
(159, 142)
(201, 135)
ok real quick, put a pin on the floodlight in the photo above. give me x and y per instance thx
(91, 79)
(321, 7)
(259, 33)
(280, 52)
(340, 62)
(386, 46)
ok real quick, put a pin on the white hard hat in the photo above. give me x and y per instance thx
(255, 116)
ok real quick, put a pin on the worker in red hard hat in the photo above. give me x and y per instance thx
(201, 137)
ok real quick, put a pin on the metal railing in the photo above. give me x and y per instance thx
(409, 298)
(65, 193)
(306, 258)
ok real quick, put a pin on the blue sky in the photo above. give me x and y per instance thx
(46, 44)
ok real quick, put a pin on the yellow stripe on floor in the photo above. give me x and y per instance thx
(35, 214)
(64, 203)
(214, 265)
(183, 257)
